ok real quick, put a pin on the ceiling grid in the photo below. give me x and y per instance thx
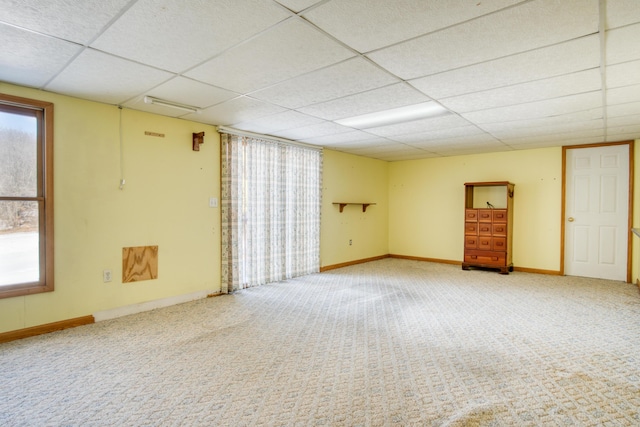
(510, 74)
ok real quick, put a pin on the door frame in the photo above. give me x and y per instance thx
(629, 199)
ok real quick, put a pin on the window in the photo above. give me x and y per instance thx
(26, 196)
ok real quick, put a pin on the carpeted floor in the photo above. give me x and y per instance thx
(391, 342)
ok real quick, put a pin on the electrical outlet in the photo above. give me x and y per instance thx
(213, 202)
(350, 242)
(106, 276)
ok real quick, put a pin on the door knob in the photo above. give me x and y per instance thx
(571, 219)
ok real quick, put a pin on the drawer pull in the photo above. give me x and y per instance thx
(494, 258)
(474, 257)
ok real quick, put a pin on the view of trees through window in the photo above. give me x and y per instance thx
(19, 218)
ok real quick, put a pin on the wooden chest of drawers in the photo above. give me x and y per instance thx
(488, 230)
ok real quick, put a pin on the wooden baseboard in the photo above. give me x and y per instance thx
(417, 258)
(347, 264)
(45, 329)
(441, 261)
(537, 271)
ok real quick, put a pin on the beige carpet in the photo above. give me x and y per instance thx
(391, 342)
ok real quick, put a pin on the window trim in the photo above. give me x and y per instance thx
(44, 197)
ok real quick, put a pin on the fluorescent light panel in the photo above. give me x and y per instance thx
(395, 116)
(164, 103)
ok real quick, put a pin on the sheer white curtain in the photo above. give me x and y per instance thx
(270, 206)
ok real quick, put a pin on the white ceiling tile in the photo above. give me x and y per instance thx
(366, 25)
(625, 74)
(105, 78)
(171, 36)
(285, 51)
(622, 12)
(627, 109)
(622, 137)
(379, 148)
(525, 71)
(480, 147)
(556, 60)
(297, 5)
(622, 95)
(562, 136)
(392, 151)
(344, 79)
(473, 150)
(507, 32)
(458, 141)
(182, 91)
(558, 143)
(185, 91)
(623, 44)
(353, 138)
(420, 126)
(384, 98)
(313, 131)
(569, 118)
(630, 129)
(278, 122)
(538, 109)
(332, 142)
(549, 128)
(237, 110)
(77, 21)
(30, 59)
(402, 156)
(554, 87)
(419, 138)
(624, 120)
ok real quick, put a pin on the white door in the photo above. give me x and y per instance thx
(596, 212)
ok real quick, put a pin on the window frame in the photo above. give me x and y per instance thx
(44, 197)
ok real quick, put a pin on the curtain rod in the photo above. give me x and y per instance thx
(232, 131)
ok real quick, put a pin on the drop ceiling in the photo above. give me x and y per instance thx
(511, 74)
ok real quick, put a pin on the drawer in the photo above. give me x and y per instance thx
(471, 228)
(484, 215)
(470, 242)
(485, 243)
(499, 244)
(484, 229)
(499, 229)
(500, 215)
(471, 215)
(485, 258)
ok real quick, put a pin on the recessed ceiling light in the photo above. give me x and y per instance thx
(395, 115)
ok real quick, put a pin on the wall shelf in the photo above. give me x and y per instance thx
(364, 205)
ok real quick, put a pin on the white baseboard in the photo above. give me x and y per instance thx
(149, 305)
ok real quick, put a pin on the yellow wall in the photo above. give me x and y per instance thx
(164, 203)
(349, 178)
(418, 211)
(426, 204)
